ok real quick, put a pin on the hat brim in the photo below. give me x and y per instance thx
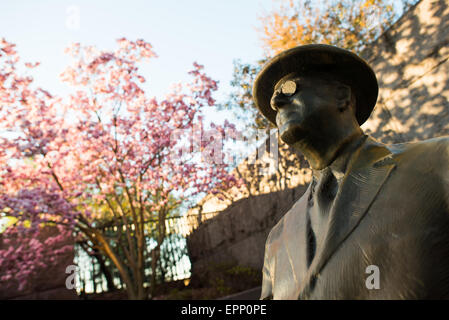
(347, 66)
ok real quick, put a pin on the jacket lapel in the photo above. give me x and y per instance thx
(368, 170)
(296, 225)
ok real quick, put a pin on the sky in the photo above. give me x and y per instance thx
(212, 33)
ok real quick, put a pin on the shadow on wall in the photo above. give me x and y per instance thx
(411, 63)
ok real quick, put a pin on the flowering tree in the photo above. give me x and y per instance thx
(106, 156)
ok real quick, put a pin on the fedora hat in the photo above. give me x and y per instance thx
(348, 68)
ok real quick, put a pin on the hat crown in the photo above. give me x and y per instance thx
(346, 65)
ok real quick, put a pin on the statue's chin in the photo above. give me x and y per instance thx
(291, 132)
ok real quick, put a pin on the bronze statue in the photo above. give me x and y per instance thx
(370, 207)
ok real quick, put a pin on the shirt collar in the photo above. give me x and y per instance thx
(339, 165)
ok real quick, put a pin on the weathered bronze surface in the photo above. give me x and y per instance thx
(369, 204)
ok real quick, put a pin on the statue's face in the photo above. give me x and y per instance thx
(306, 106)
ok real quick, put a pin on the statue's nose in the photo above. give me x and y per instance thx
(278, 100)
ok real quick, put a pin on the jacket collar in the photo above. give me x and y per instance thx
(368, 169)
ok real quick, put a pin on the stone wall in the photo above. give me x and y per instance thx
(411, 64)
(238, 234)
(47, 283)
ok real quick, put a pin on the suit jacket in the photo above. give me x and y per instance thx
(391, 211)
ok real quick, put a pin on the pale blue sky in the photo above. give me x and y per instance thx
(213, 33)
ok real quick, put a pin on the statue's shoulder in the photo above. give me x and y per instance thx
(435, 147)
(275, 233)
(426, 154)
(298, 209)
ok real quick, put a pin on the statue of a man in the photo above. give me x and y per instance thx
(374, 221)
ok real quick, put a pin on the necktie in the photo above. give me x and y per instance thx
(324, 190)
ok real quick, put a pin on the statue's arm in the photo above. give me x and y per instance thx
(267, 281)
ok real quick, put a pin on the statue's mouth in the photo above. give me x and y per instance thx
(291, 131)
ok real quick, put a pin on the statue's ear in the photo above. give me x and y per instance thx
(343, 96)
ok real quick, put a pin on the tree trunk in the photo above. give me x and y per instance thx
(105, 270)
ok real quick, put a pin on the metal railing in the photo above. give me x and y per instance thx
(173, 264)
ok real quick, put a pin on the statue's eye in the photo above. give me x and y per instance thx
(289, 88)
